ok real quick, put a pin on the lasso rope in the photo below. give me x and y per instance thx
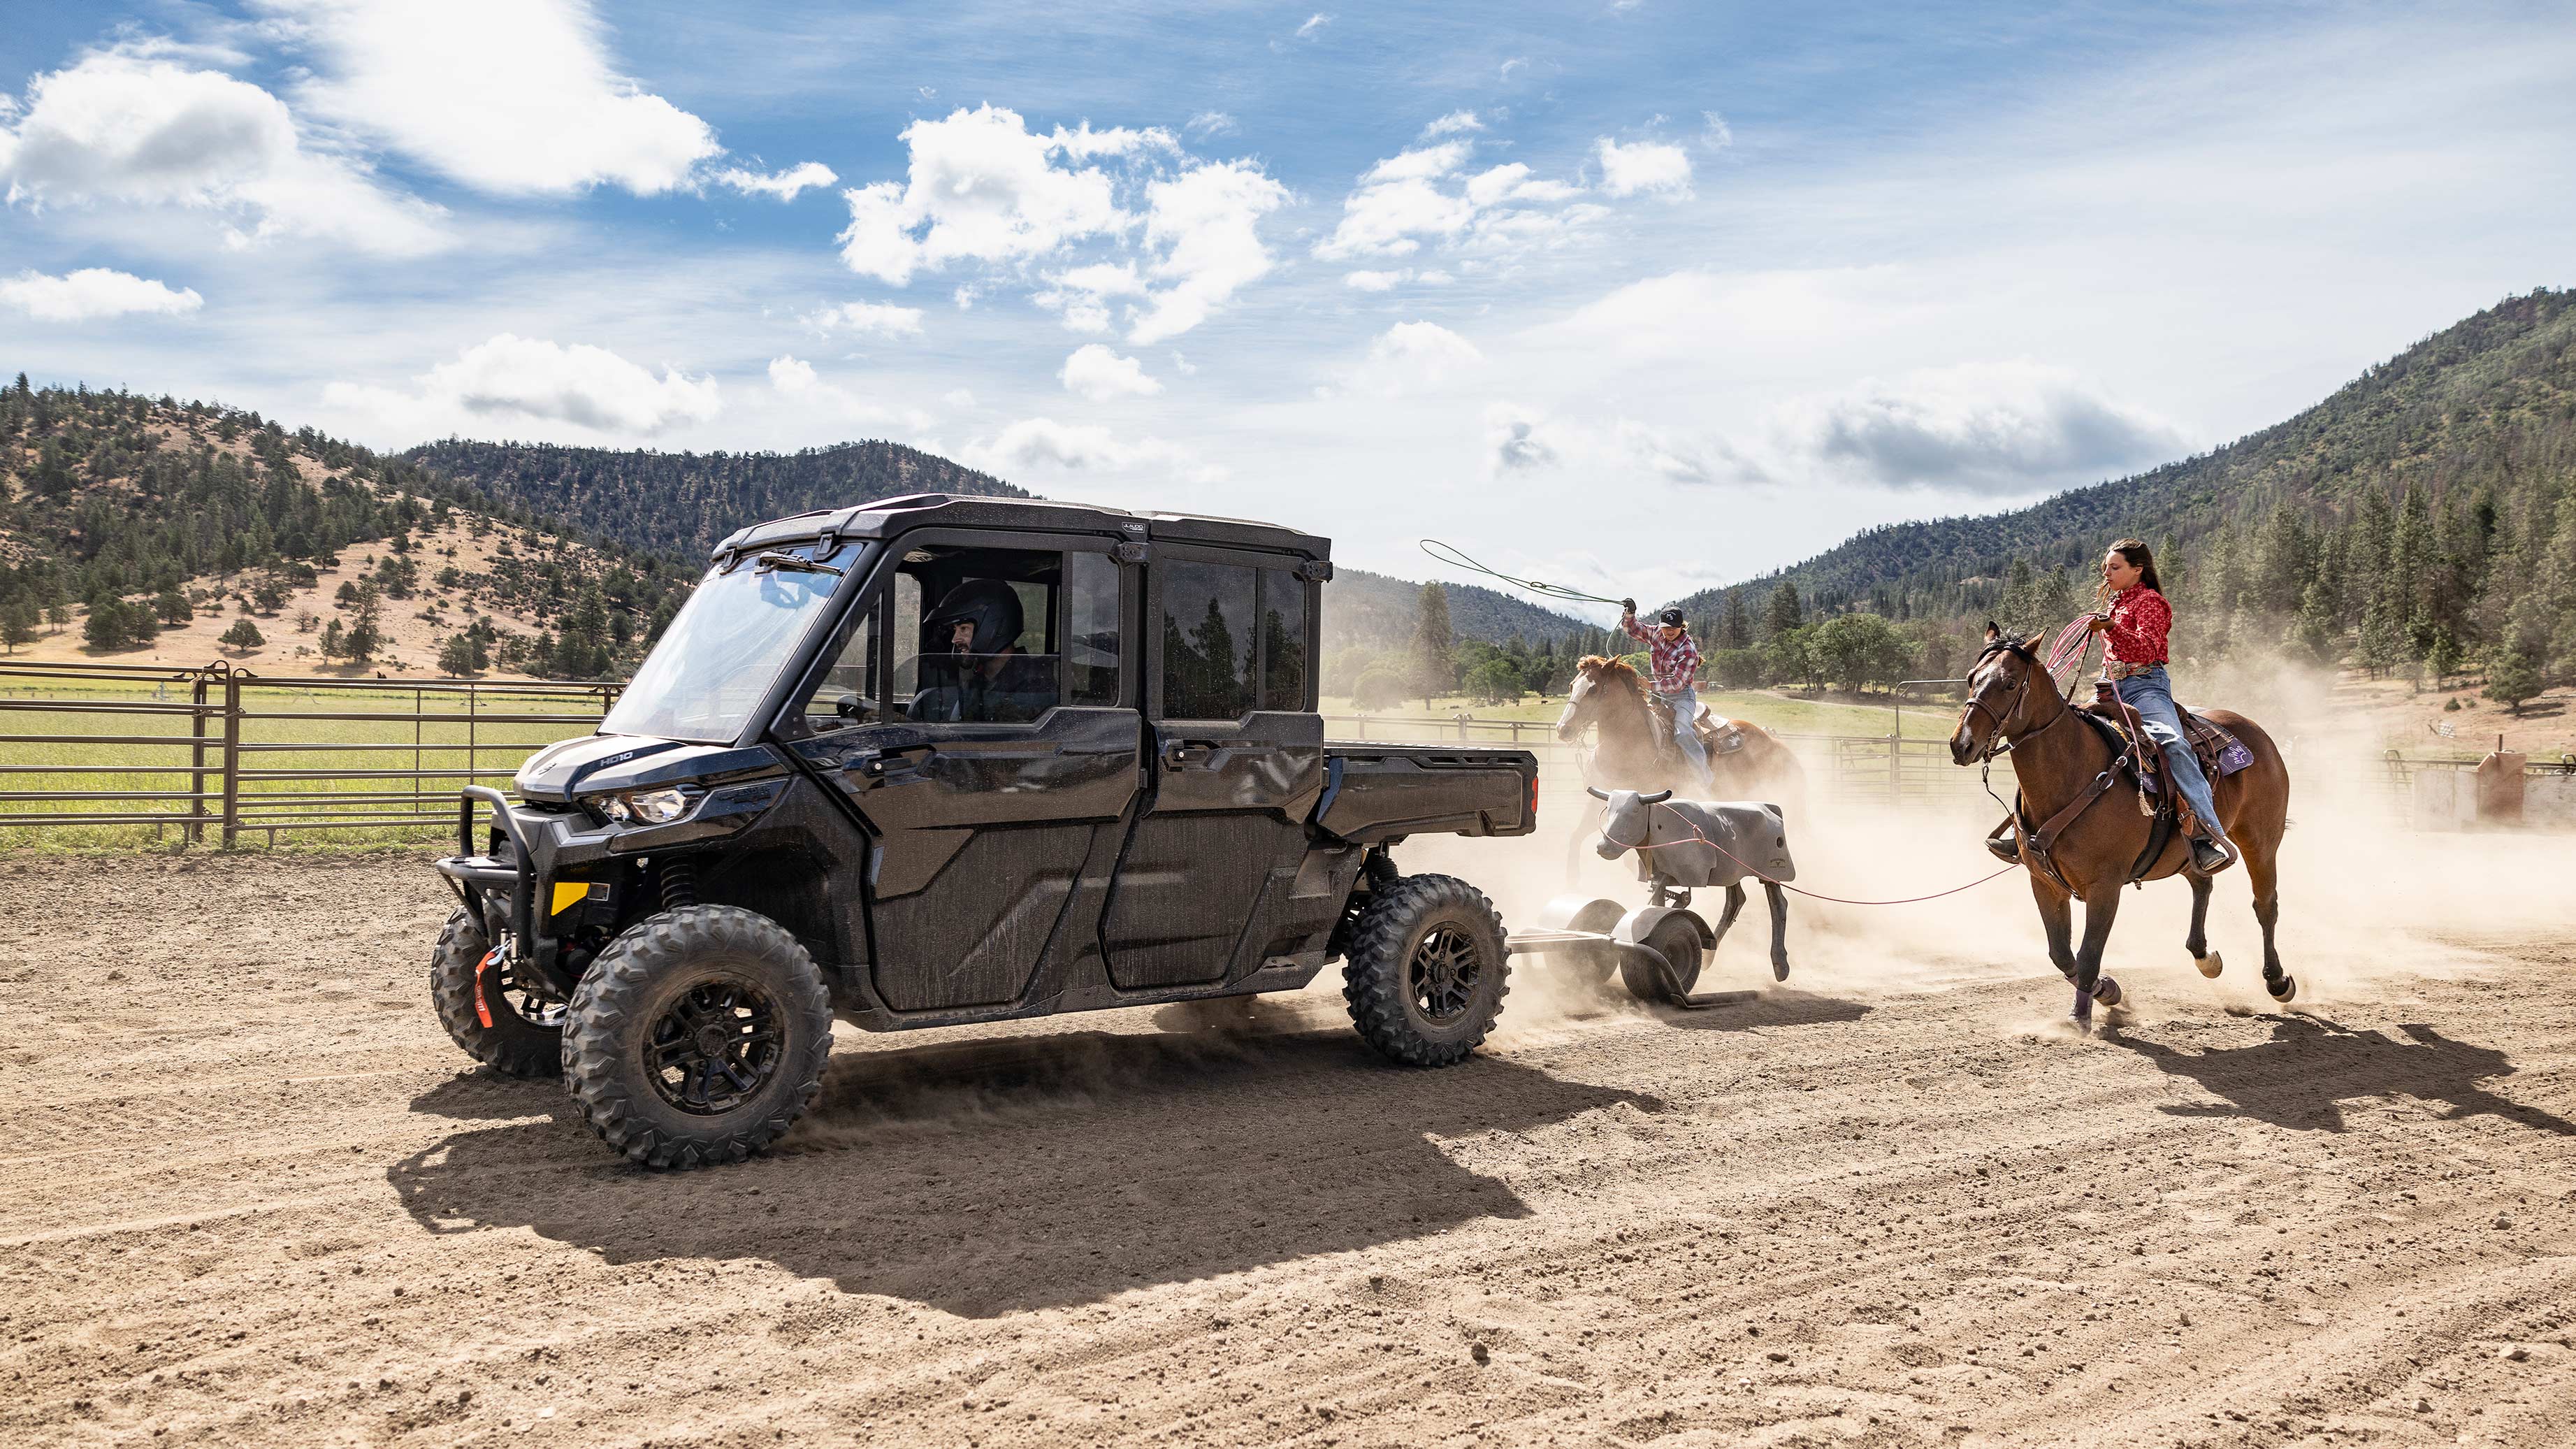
(1449, 555)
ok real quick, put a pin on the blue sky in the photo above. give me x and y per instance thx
(1640, 295)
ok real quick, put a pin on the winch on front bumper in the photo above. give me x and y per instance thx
(540, 875)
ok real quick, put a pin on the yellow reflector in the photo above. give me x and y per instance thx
(567, 892)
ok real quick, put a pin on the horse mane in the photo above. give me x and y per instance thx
(1605, 670)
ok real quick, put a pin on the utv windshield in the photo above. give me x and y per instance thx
(716, 662)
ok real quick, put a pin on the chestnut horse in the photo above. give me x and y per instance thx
(1630, 754)
(2013, 703)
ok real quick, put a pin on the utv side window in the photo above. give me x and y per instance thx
(1283, 641)
(1208, 640)
(978, 634)
(1091, 626)
(852, 690)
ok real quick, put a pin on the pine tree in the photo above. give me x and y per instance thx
(1734, 631)
(1783, 615)
(243, 635)
(18, 623)
(1434, 672)
(456, 656)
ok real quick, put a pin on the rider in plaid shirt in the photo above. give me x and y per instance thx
(1676, 669)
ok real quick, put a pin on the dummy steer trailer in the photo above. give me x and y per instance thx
(935, 761)
(1679, 846)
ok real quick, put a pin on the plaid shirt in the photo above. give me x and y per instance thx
(2140, 619)
(1676, 664)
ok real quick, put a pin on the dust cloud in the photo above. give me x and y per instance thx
(2366, 902)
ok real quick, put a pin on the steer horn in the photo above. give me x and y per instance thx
(1597, 794)
(1658, 798)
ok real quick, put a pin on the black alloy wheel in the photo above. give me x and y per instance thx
(715, 1046)
(1444, 974)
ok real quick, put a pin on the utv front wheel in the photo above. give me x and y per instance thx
(1426, 973)
(501, 1021)
(698, 1036)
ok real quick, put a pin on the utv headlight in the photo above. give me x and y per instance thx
(654, 807)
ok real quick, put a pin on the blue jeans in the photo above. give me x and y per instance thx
(1685, 703)
(2151, 695)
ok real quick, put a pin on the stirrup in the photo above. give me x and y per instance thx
(2005, 845)
(2202, 847)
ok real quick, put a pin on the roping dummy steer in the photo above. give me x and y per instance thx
(1680, 846)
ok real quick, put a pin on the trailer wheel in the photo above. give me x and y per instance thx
(1427, 973)
(699, 1036)
(525, 1038)
(1676, 939)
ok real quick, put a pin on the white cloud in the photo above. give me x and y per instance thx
(790, 374)
(121, 128)
(1518, 439)
(1434, 278)
(1715, 132)
(1424, 196)
(1207, 124)
(1206, 223)
(1081, 295)
(508, 96)
(982, 187)
(1314, 26)
(513, 381)
(1454, 123)
(781, 184)
(1103, 376)
(1367, 281)
(1653, 166)
(93, 292)
(1042, 442)
(1996, 427)
(1412, 358)
(880, 320)
(958, 397)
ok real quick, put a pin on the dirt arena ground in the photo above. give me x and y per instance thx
(251, 1195)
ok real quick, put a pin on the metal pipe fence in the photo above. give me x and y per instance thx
(103, 751)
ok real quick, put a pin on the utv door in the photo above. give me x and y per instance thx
(993, 783)
(1236, 766)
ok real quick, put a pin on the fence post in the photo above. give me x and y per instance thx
(196, 833)
(232, 758)
(1896, 769)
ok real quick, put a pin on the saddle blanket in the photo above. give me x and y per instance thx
(2211, 741)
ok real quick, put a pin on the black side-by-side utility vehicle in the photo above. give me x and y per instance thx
(935, 760)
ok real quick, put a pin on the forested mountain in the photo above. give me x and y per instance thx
(2425, 514)
(681, 503)
(122, 516)
(1377, 612)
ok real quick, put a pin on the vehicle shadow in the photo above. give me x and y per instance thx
(2312, 1066)
(987, 1177)
(1780, 1006)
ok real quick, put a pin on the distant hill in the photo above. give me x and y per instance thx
(1378, 612)
(2407, 516)
(681, 503)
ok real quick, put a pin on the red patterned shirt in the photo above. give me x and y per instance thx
(2140, 619)
(1676, 664)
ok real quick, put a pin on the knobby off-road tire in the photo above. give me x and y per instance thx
(1426, 974)
(513, 1043)
(698, 1036)
(1678, 942)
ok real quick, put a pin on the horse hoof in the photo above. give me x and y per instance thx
(2210, 965)
(2083, 1025)
(2283, 989)
(2107, 991)
(1780, 970)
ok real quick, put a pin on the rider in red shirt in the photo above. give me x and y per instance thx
(2137, 620)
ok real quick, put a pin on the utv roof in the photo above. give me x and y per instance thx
(887, 516)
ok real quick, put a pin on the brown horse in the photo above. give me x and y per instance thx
(1630, 753)
(2060, 761)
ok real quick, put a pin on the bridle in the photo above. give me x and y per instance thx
(1996, 743)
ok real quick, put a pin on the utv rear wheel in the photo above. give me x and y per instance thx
(698, 1036)
(1426, 973)
(524, 1037)
(1677, 941)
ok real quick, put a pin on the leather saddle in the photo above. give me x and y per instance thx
(1717, 734)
